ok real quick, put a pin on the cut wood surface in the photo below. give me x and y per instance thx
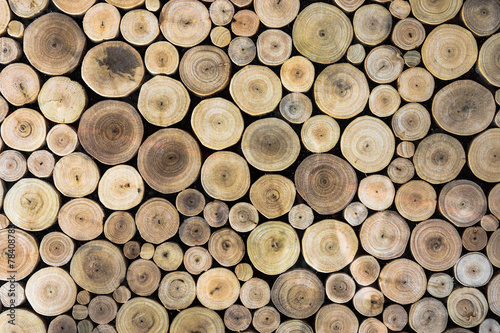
(205, 70)
(439, 158)
(62, 139)
(289, 288)
(412, 58)
(27, 250)
(216, 213)
(372, 325)
(121, 187)
(167, 256)
(340, 287)
(143, 277)
(161, 58)
(56, 249)
(474, 238)
(45, 288)
(226, 247)
(76, 175)
(243, 271)
(274, 47)
(372, 24)
(416, 200)
(147, 251)
(237, 317)
(471, 111)
(245, 23)
(102, 309)
(329, 245)
(54, 44)
(244, 217)
(411, 122)
(217, 288)
(12, 165)
(163, 101)
(436, 245)
(62, 323)
(113, 69)
(177, 290)
(101, 22)
(62, 100)
(11, 50)
(272, 195)
(440, 285)
(376, 192)
(225, 176)
(15, 29)
(139, 27)
(5, 17)
(408, 34)
(119, 227)
(256, 89)
(415, 85)
(32, 204)
(9, 298)
(301, 216)
(297, 74)
(184, 23)
(266, 319)
(320, 133)
(395, 317)
(19, 84)
(464, 301)
(242, 51)
(405, 149)
(462, 202)
(273, 247)
(270, 144)
(110, 131)
(403, 281)
(276, 14)
(196, 318)
(400, 9)
(322, 33)
(255, 293)
(365, 270)
(336, 315)
(169, 160)
(368, 144)
(384, 64)
(369, 301)
(487, 66)
(384, 100)
(217, 123)
(473, 270)
(384, 235)
(327, 182)
(341, 91)
(485, 147)
(434, 310)
(251, 166)
(450, 61)
(356, 54)
(157, 220)
(221, 12)
(152, 316)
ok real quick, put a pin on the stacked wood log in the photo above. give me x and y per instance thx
(249, 166)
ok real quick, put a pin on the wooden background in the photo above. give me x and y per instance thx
(275, 165)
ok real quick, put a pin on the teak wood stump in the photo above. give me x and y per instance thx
(283, 166)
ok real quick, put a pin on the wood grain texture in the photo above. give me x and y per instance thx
(249, 166)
